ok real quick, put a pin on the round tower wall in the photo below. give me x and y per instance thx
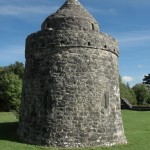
(69, 38)
(71, 93)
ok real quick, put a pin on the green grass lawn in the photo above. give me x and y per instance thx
(136, 124)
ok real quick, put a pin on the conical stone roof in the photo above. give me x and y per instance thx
(70, 9)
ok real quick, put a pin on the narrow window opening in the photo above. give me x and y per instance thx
(105, 46)
(93, 28)
(48, 25)
(89, 43)
(43, 44)
(62, 42)
(106, 100)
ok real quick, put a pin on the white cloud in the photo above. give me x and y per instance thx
(133, 3)
(134, 38)
(12, 10)
(127, 78)
(140, 66)
(102, 11)
(11, 54)
(6, 29)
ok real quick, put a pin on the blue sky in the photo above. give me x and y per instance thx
(126, 20)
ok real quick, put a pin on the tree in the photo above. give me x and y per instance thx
(11, 86)
(146, 79)
(142, 94)
(17, 69)
(10, 91)
(127, 92)
(1, 69)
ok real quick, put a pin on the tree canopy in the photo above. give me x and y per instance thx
(142, 94)
(11, 86)
(10, 92)
(127, 92)
(146, 79)
(17, 69)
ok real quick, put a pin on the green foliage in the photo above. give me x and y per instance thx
(11, 86)
(1, 69)
(146, 79)
(139, 94)
(142, 94)
(17, 69)
(127, 92)
(10, 91)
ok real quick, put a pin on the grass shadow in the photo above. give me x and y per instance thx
(8, 131)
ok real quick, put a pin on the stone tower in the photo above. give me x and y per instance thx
(71, 89)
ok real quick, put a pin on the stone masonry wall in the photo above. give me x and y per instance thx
(71, 94)
(69, 38)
